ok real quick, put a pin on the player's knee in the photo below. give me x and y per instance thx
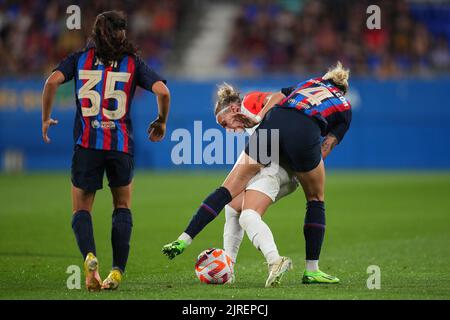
(315, 196)
(121, 205)
(123, 202)
(247, 217)
(231, 212)
(82, 206)
(235, 205)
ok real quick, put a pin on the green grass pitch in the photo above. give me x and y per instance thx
(397, 221)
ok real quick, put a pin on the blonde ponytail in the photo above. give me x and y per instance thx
(339, 76)
(226, 94)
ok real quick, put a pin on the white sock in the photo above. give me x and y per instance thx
(184, 236)
(259, 234)
(232, 233)
(312, 265)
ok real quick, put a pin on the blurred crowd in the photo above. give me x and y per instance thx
(34, 36)
(308, 35)
(275, 36)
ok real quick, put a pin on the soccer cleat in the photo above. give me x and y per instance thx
(311, 277)
(277, 270)
(175, 248)
(93, 281)
(113, 280)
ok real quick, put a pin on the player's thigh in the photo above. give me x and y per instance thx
(82, 199)
(245, 169)
(88, 166)
(119, 169)
(257, 201)
(263, 189)
(267, 182)
(313, 182)
(122, 196)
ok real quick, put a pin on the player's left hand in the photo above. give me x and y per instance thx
(45, 125)
(157, 130)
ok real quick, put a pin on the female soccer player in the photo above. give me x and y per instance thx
(105, 75)
(300, 115)
(245, 212)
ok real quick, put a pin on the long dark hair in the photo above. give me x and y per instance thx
(109, 38)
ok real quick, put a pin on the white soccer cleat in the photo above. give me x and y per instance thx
(277, 270)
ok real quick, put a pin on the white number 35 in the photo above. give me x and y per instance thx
(93, 77)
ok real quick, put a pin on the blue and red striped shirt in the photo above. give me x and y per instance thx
(103, 96)
(321, 100)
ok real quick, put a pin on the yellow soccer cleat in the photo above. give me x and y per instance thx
(113, 280)
(93, 281)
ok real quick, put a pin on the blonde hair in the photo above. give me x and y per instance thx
(226, 94)
(339, 76)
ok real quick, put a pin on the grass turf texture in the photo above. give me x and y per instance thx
(398, 221)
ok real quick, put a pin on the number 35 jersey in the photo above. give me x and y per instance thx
(103, 96)
(321, 100)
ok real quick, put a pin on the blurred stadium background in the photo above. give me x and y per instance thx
(399, 73)
(400, 78)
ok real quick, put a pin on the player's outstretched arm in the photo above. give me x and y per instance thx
(48, 96)
(157, 128)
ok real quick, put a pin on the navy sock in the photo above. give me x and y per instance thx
(84, 233)
(122, 223)
(208, 210)
(314, 229)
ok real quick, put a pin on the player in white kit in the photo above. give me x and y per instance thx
(244, 213)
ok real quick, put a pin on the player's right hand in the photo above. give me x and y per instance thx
(45, 125)
(157, 130)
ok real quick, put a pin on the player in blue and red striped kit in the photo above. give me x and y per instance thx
(105, 76)
(298, 116)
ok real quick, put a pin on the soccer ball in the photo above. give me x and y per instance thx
(214, 266)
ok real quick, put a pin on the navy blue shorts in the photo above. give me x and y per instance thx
(299, 139)
(89, 166)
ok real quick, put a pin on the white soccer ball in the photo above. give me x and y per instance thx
(214, 266)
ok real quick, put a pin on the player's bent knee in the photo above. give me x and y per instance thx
(317, 197)
(236, 204)
(247, 217)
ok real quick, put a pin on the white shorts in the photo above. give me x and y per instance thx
(273, 183)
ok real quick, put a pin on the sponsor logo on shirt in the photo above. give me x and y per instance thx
(103, 124)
